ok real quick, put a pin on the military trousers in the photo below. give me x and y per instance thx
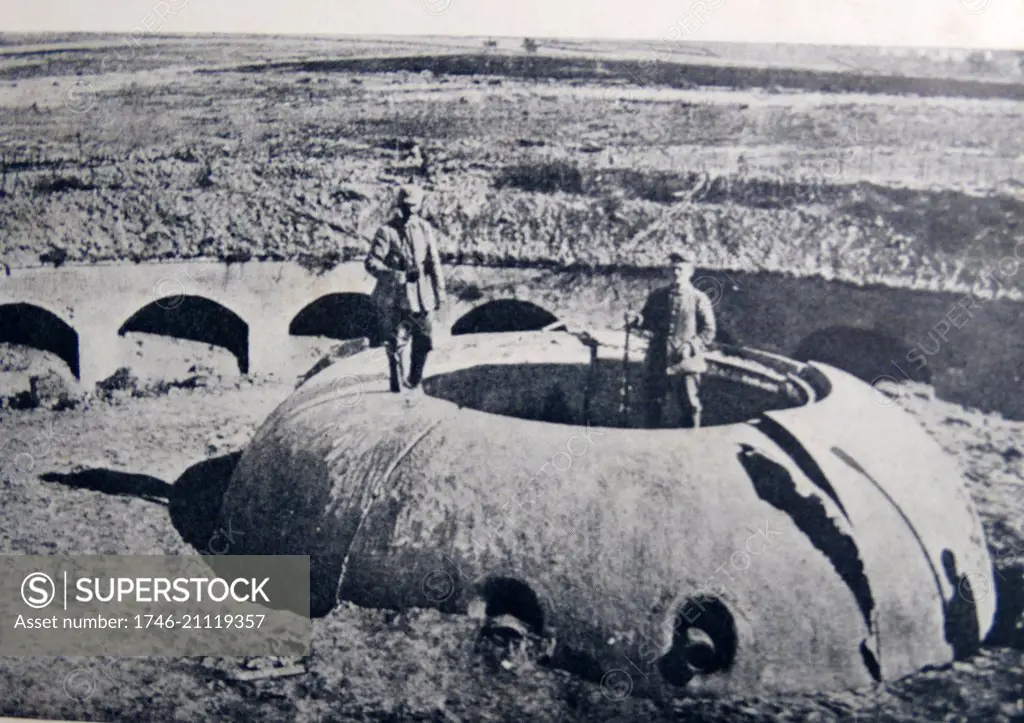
(407, 331)
(684, 388)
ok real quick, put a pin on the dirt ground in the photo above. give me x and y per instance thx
(104, 478)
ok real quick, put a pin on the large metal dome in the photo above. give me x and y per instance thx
(808, 537)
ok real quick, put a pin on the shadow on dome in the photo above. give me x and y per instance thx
(581, 394)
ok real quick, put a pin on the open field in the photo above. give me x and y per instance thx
(286, 149)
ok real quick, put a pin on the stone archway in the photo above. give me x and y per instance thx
(865, 353)
(34, 326)
(195, 318)
(503, 315)
(341, 316)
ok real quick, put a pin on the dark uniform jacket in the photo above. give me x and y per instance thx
(678, 319)
(400, 247)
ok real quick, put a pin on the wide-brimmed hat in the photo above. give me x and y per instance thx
(678, 256)
(411, 194)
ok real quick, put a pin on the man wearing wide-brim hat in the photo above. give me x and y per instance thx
(680, 319)
(410, 286)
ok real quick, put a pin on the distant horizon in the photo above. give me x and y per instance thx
(959, 24)
(482, 36)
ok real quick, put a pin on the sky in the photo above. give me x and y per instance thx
(995, 24)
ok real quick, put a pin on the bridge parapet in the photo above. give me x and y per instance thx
(266, 312)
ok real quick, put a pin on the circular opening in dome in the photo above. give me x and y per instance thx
(703, 641)
(506, 596)
(595, 393)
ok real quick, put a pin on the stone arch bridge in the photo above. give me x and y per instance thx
(264, 312)
(257, 311)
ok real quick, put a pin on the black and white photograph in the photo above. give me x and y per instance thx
(465, 360)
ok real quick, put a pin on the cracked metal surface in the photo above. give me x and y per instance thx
(812, 545)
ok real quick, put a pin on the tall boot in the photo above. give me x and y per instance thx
(395, 367)
(653, 413)
(416, 365)
(689, 401)
(689, 415)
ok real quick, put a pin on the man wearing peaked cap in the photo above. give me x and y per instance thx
(681, 321)
(412, 195)
(410, 286)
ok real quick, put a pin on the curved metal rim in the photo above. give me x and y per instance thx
(803, 379)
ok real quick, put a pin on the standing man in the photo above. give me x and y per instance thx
(410, 288)
(681, 321)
